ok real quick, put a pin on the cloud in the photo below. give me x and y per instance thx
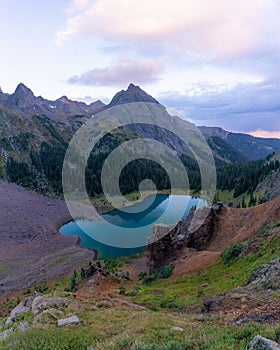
(229, 49)
(120, 75)
(265, 133)
(215, 27)
(242, 107)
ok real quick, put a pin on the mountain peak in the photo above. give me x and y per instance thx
(132, 94)
(23, 97)
(23, 90)
(131, 86)
(64, 99)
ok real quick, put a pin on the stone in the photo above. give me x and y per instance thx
(261, 343)
(177, 329)
(41, 303)
(28, 301)
(122, 274)
(9, 322)
(4, 334)
(68, 321)
(23, 326)
(18, 310)
(53, 312)
(266, 276)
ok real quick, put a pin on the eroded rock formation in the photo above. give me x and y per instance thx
(166, 243)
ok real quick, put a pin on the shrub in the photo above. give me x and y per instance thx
(122, 291)
(164, 272)
(277, 334)
(231, 253)
(142, 275)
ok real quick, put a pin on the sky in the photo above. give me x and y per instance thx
(215, 61)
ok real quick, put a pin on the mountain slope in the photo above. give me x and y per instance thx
(30, 241)
(251, 147)
(35, 133)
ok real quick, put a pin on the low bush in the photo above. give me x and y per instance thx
(164, 272)
(231, 253)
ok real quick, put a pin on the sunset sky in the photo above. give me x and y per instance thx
(215, 61)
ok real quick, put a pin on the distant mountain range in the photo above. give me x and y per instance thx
(251, 147)
(23, 102)
(26, 121)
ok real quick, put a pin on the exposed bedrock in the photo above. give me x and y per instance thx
(167, 242)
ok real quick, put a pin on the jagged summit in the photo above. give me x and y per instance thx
(22, 87)
(64, 99)
(23, 97)
(132, 94)
(25, 103)
(97, 104)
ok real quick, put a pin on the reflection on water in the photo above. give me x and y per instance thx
(91, 233)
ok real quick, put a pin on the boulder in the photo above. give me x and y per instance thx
(266, 276)
(177, 329)
(9, 322)
(122, 274)
(41, 303)
(23, 326)
(68, 321)
(18, 310)
(6, 333)
(28, 301)
(261, 343)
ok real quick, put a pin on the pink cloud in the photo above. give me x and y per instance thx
(265, 133)
(216, 26)
(120, 74)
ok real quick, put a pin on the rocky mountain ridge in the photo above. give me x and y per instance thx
(25, 103)
(227, 146)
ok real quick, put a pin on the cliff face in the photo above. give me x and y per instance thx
(162, 248)
(271, 186)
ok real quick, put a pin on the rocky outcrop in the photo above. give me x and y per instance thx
(122, 274)
(261, 343)
(166, 243)
(266, 276)
(271, 186)
(261, 285)
(23, 326)
(18, 310)
(95, 269)
(6, 333)
(40, 303)
(68, 321)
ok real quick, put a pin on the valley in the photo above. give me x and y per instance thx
(212, 287)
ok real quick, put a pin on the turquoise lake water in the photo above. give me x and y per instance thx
(121, 233)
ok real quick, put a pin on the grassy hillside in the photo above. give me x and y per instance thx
(110, 320)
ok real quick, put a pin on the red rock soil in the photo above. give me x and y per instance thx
(233, 225)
